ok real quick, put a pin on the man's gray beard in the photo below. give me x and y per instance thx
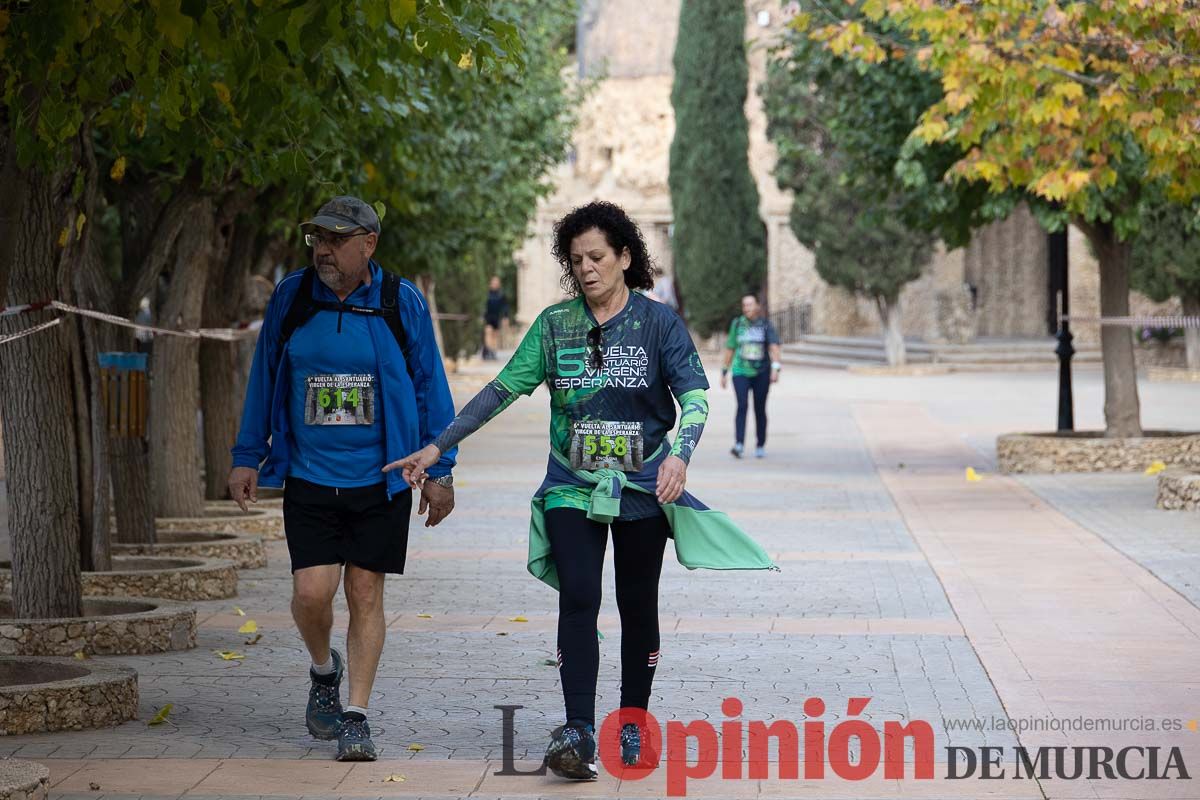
(332, 277)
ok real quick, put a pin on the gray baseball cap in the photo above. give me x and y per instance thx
(343, 214)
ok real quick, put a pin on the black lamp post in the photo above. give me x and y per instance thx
(1058, 282)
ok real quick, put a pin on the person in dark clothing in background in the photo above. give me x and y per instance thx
(495, 313)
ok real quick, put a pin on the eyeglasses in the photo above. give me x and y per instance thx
(316, 239)
(596, 356)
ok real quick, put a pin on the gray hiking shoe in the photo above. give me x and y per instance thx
(354, 739)
(323, 716)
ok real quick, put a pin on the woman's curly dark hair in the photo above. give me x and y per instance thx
(619, 230)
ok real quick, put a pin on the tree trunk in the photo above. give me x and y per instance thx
(221, 398)
(1191, 336)
(93, 289)
(1122, 411)
(891, 318)
(175, 387)
(133, 492)
(428, 285)
(149, 230)
(41, 432)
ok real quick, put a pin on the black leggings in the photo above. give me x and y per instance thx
(760, 384)
(578, 544)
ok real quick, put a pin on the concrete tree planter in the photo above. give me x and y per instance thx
(245, 551)
(110, 626)
(1173, 374)
(1179, 490)
(226, 517)
(1090, 451)
(153, 576)
(42, 694)
(23, 780)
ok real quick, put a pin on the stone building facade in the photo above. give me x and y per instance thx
(995, 287)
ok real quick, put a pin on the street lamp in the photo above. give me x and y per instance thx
(1057, 251)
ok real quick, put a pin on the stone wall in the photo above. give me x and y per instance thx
(1007, 263)
(246, 552)
(23, 780)
(221, 518)
(154, 627)
(1092, 452)
(97, 695)
(211, 580)
(1179, 489)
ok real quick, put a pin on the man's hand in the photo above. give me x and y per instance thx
(415, 464)
(774, 376)
(243, 486)
(439, 500)
(724, 380)
(672, 477)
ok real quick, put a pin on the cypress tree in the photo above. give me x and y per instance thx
(720, 241)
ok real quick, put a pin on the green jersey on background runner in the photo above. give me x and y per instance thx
(749, 341)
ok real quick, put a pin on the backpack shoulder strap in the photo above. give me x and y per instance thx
(301, 310)
(389, 301)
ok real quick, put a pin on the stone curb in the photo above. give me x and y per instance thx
(23, 780)
(179, 579)
(1173, 375)
(228, 518)
(906, 370)
(1179, 490)
(245, 551)
(95, 695)
(164, 627)
(1090, 451)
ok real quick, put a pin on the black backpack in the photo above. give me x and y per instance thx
(304, 307)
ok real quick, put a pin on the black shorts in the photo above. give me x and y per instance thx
(358, 526)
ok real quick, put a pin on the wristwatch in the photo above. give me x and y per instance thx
(446, 481)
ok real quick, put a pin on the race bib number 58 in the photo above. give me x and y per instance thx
(339, 400)
(597, 444)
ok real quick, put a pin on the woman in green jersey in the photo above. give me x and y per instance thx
(616, 364)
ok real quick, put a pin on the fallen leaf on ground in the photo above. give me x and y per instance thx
(424, 616)
(416, 748)
(250, 627)
(972, 475)
(229, 655)
(81, 656)
(502, 633)
(95, 787)
(549, 662)
(1155, 468)
(161, 716)
(517, 619)
(238, 611)
(395, 779)
(257, 638)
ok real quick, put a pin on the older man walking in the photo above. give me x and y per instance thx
(346, 378)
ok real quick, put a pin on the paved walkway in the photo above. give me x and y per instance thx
(938, 599)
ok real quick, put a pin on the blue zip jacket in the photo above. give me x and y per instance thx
(416, 408)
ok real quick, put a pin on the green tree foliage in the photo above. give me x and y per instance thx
(148, 115)
(1165, 262)
(462, 184)
(1082, 104)
(868, 210)
(719, 241)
